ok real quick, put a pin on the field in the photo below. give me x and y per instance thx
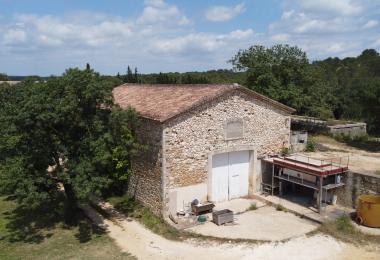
(40, 234)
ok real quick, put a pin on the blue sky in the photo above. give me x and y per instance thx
(46, 37)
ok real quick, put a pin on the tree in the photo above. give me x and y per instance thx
(283, 73)
(136, 76)
(65, 132)
(3, 77)
(165, 78)
(354, 86)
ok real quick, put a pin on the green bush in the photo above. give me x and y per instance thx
(343, 224)
(345, 138)
(285, 151)
(310, 145)
(253, 206)
(342, 138)
(279, 207)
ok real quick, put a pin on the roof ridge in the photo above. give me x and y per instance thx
(178, 85)
(161, 102)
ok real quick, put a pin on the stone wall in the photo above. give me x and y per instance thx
(191, 137)
(356, 185)
(353, 130)
(145, 181)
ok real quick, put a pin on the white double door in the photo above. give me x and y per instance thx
(230, 175)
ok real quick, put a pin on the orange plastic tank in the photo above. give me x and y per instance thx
(368, 210)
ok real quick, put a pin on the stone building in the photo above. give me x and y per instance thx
(205, 141)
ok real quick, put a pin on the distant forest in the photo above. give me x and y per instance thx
(334, 88)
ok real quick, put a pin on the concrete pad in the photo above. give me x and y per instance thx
(367, 230)
(331, 212)
(265, 223)
(238, 205)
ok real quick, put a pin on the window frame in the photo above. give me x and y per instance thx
(234, 120)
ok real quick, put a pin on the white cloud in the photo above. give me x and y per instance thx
(155, 3)
(280, 37)
(51, 31)
(224, 13)
(158, 12)
(342, 7)
(370, 24)
(14, 36)
(162, 38)
(204, 42)
(327, 28)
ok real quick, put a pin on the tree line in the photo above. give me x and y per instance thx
(333, 88)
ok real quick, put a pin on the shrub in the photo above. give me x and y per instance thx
(345, 138)
(343, 224)
(310, 145)
(285, 151)
(361, 138)
(279, 207)
(343, 229)
(253, 206)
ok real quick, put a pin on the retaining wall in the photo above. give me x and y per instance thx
(356, 185)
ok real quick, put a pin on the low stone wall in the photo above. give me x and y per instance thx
(318, 126)
(356, 185)
(353, 130)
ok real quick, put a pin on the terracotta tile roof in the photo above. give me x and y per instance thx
(163, 101)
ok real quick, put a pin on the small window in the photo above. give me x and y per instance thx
(234, 129)
(287, 122)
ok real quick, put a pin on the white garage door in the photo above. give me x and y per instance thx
(230, 175)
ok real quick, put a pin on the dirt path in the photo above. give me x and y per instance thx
(133, 238)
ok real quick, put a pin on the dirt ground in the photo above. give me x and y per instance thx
(135, 239)
(360, 161)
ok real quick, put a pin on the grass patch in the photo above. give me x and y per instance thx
(364, 142)
(343, 229)
(253, 206)
(377, 172)
(40, 233)
(135, 210)
(279, 207)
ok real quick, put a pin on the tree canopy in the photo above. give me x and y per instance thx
(283, 73)
(332, 88)
(63, 134)
(3, 77)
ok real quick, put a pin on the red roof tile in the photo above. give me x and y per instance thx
(161, 101)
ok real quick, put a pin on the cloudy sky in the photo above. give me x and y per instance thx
(44, 37)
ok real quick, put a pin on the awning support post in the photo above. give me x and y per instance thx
(272, 178)
(320, 194)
